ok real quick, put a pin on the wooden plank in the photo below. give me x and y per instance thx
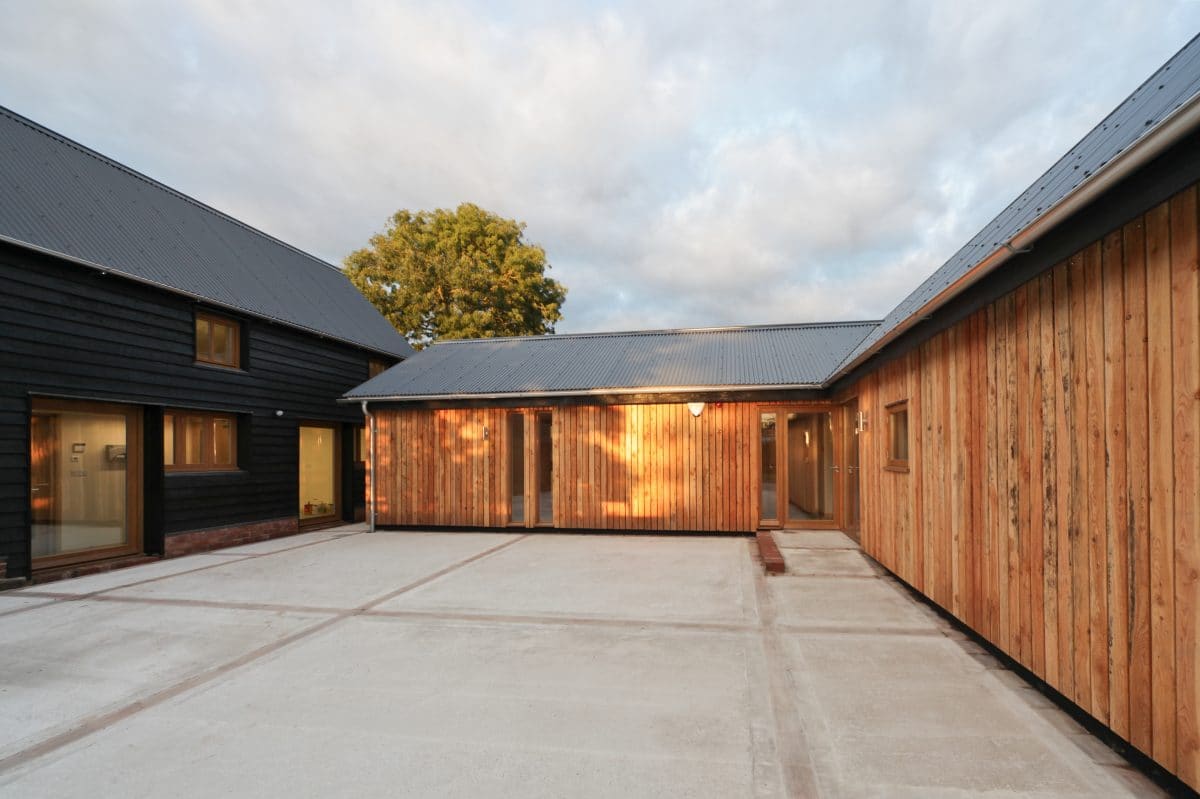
(1095, 477)
(1063, 413)
(1137, 426)
(1049, 494)
(1116, 518)
(1162, 485)
(1185, 316)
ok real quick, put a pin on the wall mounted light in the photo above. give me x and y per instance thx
(807, 439)
(860, 422)
(279, 413)
(696, 408)
(485, 433)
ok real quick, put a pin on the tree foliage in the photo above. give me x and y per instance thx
(465, 273)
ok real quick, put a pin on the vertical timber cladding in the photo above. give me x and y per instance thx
(1051, 502)
(616, 467)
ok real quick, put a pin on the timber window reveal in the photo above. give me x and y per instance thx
(375, 367)
(218, 341)
(897, 450)
(199, 442)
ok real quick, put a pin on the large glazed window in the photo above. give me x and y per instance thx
(85, 478)
(319, 483)
(516, 468)
(545, 467)
(769, 505)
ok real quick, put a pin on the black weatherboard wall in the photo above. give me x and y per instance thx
(71, 331)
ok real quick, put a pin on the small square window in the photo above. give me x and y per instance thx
(897, 455)
(218, 341)
(375, 367)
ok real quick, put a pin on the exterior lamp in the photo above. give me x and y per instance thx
(696, 408)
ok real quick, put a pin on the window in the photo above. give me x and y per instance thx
(195, 441)
(897, 457)
(218, 341)
(375, 367)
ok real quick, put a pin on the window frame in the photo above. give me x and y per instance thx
(892, 463)
(235, 347)
(376, 367)
(178, 426)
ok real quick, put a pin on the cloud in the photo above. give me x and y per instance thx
(683, 164)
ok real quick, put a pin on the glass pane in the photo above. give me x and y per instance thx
(222, 343)
(810, 466)
(318, 472)
(223, 442)
(203, 340)
(168, 439)
(767, 447)
(193, 441)
(899, 423)
(545, 468)
(516, 467)
(77, 481)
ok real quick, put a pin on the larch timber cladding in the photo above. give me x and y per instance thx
(1051, 501)
(620, 467)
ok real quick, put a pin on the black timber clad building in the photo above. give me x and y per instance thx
(168, 375)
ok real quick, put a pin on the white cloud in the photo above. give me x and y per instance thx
(683, 164)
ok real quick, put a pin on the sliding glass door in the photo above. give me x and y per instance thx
(85, 481)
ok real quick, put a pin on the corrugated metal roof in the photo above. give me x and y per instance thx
(698, 359)
(1167, 90)
(61, 197)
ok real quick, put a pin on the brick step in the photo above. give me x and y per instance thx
(768, 550)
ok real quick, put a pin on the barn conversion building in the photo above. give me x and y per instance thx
(1019, 440)
(169, 376)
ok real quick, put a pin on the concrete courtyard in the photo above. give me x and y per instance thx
(486, 664)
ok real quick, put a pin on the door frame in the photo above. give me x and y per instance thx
(781, 410)
(134, 480)
(848, 409)
(338, 509)
(531, 462)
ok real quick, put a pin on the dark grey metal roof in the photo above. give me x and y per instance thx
(1164, 92)
(767, 356)
(61, 197)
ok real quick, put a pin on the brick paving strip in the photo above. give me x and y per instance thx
(98, 722)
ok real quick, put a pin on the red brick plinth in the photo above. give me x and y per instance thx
(221, 537)
(772, 558)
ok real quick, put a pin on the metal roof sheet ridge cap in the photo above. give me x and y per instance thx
(873, 323)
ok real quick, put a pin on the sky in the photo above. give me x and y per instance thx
(684, 164)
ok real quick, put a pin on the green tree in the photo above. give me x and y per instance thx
(464, 273)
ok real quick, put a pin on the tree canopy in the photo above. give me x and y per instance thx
(465, 273)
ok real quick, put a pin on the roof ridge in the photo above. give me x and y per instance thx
(666, 331)
(88, 151)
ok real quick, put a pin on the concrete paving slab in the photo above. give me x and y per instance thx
(557, 665)
(383, 706)
(621, 577)
(814, 539)
(70, 660)
(829, 563)
(338, 573)
(845, 603)
(14, 600)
